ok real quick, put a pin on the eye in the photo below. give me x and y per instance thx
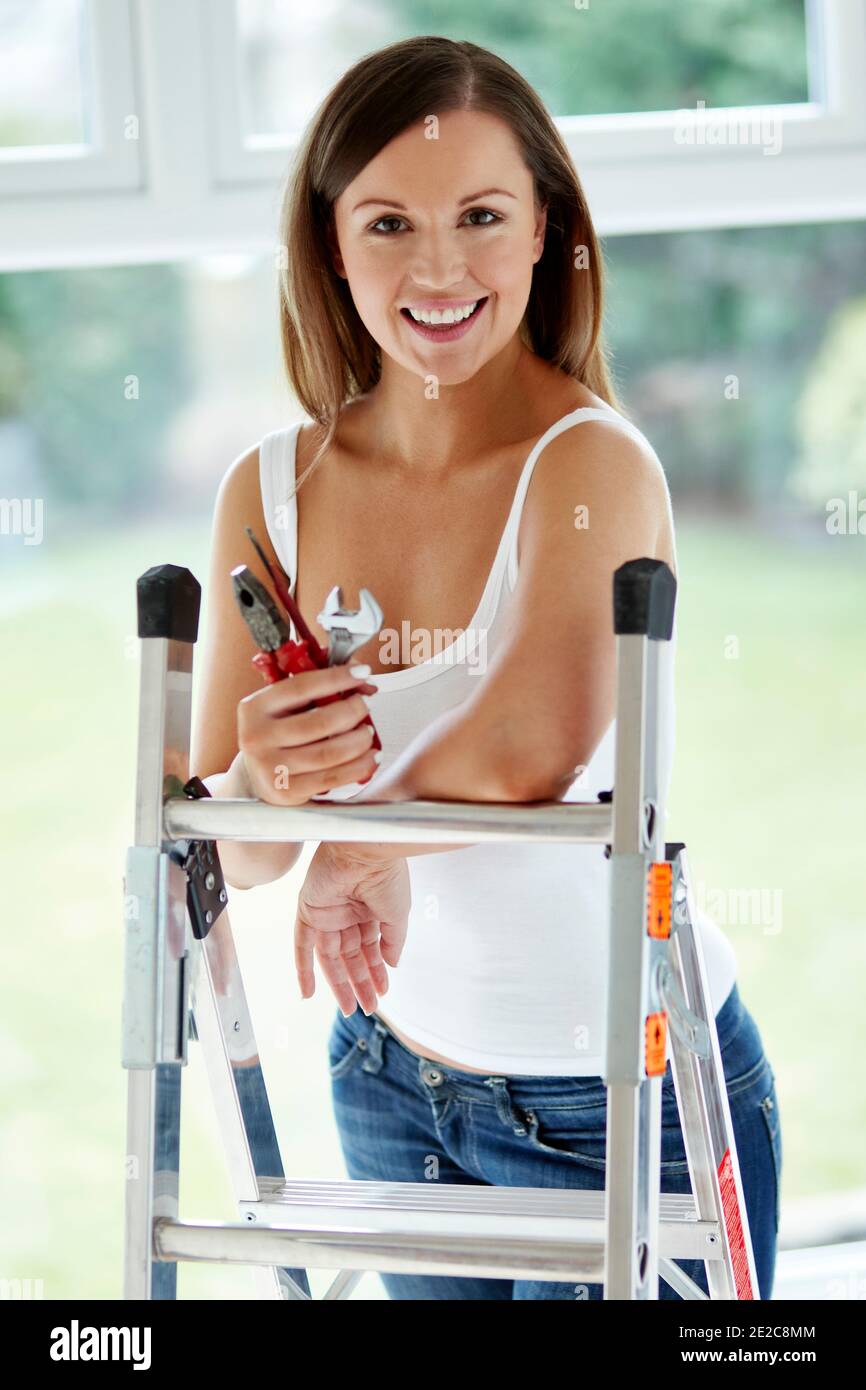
(484, 212)
(375, 225)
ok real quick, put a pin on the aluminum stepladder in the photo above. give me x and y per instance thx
(182, 982)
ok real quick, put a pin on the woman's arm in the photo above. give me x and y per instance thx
(597, 498)
(226, 673)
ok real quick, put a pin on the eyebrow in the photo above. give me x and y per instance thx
(472, 198)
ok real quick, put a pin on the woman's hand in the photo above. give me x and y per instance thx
(290, 752)
(353, 912)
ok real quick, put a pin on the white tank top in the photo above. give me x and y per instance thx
(505, 962)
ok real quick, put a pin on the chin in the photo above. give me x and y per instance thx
(449, 376)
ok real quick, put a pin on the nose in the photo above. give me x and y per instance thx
(438, 263)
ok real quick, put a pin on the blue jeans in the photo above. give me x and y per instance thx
(401, 1117)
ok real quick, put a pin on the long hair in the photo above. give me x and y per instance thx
(330, 357)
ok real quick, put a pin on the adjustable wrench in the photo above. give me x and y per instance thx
(279, 656)
(348, 628)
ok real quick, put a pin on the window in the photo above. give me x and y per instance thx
(42, 47)
(654, 54)
(158, 131)
(69, 120)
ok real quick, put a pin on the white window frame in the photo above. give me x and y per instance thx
(836, 114)
(654, 170)
(112, 160)
(192, 185)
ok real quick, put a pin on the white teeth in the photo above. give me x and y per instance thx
(449, 316)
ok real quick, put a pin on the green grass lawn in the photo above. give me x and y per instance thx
(767, 794)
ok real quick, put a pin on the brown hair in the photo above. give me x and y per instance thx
(329, 355)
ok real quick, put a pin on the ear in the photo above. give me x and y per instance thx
(334, 248)
(540, 229)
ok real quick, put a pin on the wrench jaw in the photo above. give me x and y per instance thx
(348, 628)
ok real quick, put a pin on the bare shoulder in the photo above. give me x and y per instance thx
(241, 479)
(239, 503)
(607, 473)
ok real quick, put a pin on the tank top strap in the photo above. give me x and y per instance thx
(574, 417)
(279, 504)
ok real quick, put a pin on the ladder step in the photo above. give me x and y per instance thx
(348, 1248)
(451, 1210)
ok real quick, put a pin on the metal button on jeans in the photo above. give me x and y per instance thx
(432, 1076)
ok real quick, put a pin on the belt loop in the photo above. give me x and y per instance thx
(504, 1108)
(374, 1060)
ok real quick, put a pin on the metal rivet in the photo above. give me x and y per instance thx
(362, 1043)
(209, 881)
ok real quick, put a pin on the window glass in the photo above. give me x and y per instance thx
(604, 56)
(41, 65)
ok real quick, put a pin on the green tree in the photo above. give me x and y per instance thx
(831, 412)
(102, 362)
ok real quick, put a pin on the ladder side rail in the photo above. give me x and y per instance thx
(702, 1097)
(643, 605)
(224, 1026)
(157, 940)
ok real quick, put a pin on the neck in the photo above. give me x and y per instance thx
(434, 437)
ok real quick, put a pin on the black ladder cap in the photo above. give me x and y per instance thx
(644, 595)
(169, 598)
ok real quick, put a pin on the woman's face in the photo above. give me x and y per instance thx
(437, 225)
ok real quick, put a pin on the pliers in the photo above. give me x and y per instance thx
(279, 656)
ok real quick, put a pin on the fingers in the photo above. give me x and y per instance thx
(330, 752)
(337, 977)
(305, 939)
(293, 758)
(393, 936)
(350, 960)
(345, 967)
(295, 693)
(373, 956)
(322, 722)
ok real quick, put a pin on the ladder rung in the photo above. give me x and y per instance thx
(452, 1210)
(345, 1248)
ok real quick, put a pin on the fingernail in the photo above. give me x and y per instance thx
(359, 671)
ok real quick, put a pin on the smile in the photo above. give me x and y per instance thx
(445, 332)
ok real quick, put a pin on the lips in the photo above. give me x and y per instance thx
(445, 333)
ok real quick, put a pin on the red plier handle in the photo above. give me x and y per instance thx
(279, 656)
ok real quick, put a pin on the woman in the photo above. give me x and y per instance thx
(441, 311)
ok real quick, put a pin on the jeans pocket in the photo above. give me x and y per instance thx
(573, 1132)
(580, 1133)
(345, 1047)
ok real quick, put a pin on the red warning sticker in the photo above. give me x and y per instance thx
(734, 1227)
